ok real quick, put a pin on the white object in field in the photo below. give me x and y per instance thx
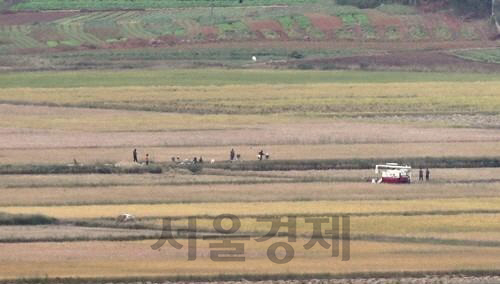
(254, 58)
(212, 161)
(394, 173)
(125, 217)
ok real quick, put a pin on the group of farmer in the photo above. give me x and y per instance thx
(136, 160)
(421, 174)
(174, 159)
(261, 155)
(233, 156)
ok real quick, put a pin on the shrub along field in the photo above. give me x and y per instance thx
(66, 170)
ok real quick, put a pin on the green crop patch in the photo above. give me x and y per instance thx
(350, 19)
(490, 55)
(233, 29)
(417, 32)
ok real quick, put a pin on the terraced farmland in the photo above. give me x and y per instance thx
(301, 22)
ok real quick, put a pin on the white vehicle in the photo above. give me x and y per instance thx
(393, 173)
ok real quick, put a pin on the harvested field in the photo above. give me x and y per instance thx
(177, 177)
(346, 150)
(214, 177)
(63, 131)
(262, 190)
(369, 207)
(437, 229)
(136, 259)
(314, 133)
(60, 233)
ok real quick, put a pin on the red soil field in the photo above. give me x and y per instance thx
(325, 23)
(259, 27)
(381, 22)
(209, 33)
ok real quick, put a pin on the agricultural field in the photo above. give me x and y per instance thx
(491, 55)
(66, 172)
(326, 91)
(61, 35)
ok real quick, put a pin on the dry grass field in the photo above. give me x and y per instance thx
(339, 99)
(435, 226)
(284, 208)
(447, 224)
(327, 149)
(244, 190)
(133, 259)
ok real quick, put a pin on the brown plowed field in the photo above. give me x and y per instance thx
(414, 60)
(260, 27)
(382, 22)
(32, 17)
(325, 23)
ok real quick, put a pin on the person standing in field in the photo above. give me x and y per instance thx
(147, 159)
(231, 155)
(421, 175)
(134, 154)
(427, 174)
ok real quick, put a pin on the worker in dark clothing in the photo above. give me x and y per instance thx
(261, 154)
(147, 159)
(420, 174)
(231, 155)
(427, 174)
(134, 154)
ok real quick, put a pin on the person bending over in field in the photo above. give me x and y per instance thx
(420, 174)
(260, 155)
(427, 174)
